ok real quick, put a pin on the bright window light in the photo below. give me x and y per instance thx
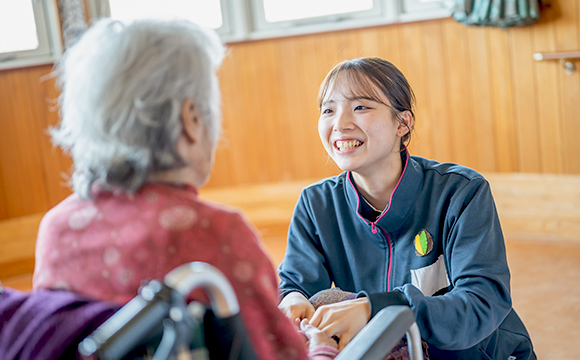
(204, 12)
(17, 26)
(284, 10)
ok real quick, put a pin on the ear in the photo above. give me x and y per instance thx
(406, 123)
(190, 120)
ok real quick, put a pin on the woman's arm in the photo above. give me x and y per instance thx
(475, 258)
(303, 268)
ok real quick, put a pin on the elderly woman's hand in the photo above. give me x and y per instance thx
(343, 319)
(315, 336)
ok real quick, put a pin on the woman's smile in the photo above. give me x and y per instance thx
(344, 145)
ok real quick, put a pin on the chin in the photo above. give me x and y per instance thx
(345, 167)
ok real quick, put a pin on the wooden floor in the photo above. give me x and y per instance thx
(540, 216)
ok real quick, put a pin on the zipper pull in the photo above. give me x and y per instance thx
(373, 227)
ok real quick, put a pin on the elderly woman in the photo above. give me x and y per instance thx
(140, 117)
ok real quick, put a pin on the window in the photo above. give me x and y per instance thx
(238, 20)
(424, 9)
(203, 12)
(277, 10)
(208, 13)
(29, 33)
(283, 18)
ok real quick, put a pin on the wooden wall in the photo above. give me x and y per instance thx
(31, 170)
(482, 101)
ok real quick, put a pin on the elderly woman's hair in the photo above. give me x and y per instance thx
(122, 90)
(371, 77)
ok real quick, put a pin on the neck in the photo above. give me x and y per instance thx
(181, 176)
(378, 186)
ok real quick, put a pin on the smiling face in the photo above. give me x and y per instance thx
(358, 128)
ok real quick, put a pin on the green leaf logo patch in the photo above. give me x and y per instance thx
(423, 243)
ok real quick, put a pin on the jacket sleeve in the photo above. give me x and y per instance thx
(475, 258)
(304, 266)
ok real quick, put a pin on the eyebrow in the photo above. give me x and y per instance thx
(327, 102)
(361, 97)
(352, 98)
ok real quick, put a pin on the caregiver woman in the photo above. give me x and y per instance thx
(398, 229)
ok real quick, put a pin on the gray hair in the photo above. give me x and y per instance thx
(122, 90)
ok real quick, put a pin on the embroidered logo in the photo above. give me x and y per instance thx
(423, 243)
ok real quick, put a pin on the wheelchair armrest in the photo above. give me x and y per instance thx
(382, 333)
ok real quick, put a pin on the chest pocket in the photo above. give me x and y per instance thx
(431, 278)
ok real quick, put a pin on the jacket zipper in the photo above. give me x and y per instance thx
(374, 231)
(390, 258)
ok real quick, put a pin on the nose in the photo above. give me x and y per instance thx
(343, 121)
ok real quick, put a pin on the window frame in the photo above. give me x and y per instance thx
(415, 10)
(262, 28)
(244, 20)
(49, 39)
(101, 8)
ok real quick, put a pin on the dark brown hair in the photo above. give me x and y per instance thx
(369, 75)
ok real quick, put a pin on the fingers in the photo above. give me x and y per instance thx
(296, 306)
(344, 319)
(340, 333)
(315, 336)
(344, 340)
(306, 328)
(298, 312)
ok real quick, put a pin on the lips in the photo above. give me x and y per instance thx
(345, 145)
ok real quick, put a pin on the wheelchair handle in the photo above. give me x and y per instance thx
(193, 275)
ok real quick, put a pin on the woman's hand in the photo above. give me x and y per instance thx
(315, 336)
(342, 319)
(296, 306)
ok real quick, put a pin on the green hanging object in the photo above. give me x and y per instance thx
(500, 13)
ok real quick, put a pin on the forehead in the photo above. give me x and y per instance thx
(353, 85)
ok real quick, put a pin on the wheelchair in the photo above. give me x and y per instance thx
(159, 324)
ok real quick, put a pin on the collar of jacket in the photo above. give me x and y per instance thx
(402, 199)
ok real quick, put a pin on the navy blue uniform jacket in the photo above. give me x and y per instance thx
(439, 242)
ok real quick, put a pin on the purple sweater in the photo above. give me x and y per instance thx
(47, 324)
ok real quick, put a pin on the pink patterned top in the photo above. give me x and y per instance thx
(107, 247)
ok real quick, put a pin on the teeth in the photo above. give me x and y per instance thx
(344, 145)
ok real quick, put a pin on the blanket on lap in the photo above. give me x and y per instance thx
(47, 324)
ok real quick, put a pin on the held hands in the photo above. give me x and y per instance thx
(343, 319)
(296, 306)
(316, 337)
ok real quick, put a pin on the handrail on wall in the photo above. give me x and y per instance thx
(564, 58)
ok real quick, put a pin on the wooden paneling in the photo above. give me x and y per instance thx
(29, 166)
(441, 144)
(482, 101)
(568, 37)
(547, 95)
(17, 245)
(502, 102)
(458, 94)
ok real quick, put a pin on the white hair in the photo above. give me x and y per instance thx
(122, 90)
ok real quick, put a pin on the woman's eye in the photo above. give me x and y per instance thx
(361, 107)
(326, 111)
